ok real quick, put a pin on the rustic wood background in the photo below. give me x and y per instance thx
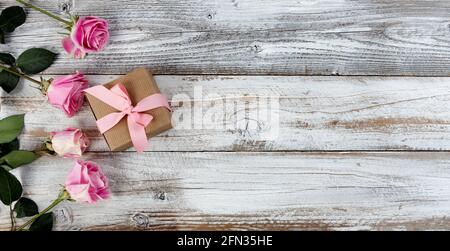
(363, 96)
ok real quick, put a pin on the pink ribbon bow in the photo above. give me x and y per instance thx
(118, 98)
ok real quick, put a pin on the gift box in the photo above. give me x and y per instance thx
(140, 85)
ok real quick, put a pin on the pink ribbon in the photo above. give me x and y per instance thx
(118, 98)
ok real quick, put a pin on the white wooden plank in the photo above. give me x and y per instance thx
(317, 37)
(313, 113)
(236, 191)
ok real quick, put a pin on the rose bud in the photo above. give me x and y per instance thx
(86, 183)
(70, 143)
(89, 34)
(66, 92)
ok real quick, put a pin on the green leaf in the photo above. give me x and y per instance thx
(25, 207)
(11, 18)
(7, 58)
(11, 127)
(8, 81)
(8, 147)
(2, 37)
(35, 60)
(6, 167)
(43, 224)
(10, 187)
(18, 158)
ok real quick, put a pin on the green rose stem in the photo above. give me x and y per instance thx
(21, 75)
(64, 195)
(66, 22)
(11, 215)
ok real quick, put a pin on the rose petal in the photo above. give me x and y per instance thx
(86, 183)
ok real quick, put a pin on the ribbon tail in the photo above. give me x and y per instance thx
(137, 135)
(109, 121)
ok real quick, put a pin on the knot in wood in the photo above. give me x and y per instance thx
(140, 220)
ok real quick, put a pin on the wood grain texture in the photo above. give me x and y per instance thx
(240, 171)
(312, 113)
(241, 191)
(307, 37)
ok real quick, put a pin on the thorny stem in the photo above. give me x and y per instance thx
(68, 23)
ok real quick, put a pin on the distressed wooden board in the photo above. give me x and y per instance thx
(248, 177)
(313, 113)
(308, 37)
(237, 191)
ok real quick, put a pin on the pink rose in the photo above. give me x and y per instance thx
(89, 34)
(66, 93)
(70, 143)
(86, 183)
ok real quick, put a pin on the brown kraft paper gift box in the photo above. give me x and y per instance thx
(139, 84)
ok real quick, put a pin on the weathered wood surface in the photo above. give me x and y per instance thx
(235, 172)
(308, 37)
(240, 191)
(312, 113)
